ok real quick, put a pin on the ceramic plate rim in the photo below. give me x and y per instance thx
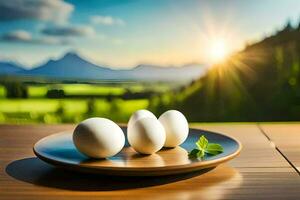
(191, 166)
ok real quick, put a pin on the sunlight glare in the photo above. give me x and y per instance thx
(218, 51)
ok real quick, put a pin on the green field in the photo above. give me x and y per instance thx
(86, 89)
(65, 110)
(2, 92)
(37, 108)
(40, 91)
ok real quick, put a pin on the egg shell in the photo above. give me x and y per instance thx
(98, 137)
(139, 114)
(146, 135)
(176, 127)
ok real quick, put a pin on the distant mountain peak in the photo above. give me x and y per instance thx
(71, 55)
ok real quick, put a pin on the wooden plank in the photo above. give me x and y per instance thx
(286, 138)
(42, 181)
(23, 176)
(256, 146)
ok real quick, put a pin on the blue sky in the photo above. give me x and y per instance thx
(123, 33)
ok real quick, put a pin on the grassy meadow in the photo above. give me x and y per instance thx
(38, 108)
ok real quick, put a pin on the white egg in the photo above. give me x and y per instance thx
(139, 114)
(146, 135)
(98, 137)
(176, 127)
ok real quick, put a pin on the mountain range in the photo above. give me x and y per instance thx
(10, 68)
(73, 67)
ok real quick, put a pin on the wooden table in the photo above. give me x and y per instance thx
(268, 168)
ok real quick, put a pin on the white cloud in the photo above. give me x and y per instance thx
(106, 20)
(62, 31)
(17, 35)
(46, 10)
(22, 36)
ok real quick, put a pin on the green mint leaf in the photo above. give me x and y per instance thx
(214, 149)
(194, 153)
(202, 143)
(205, 147)
(201, 154)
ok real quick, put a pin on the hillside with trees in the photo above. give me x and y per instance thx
(260, 83)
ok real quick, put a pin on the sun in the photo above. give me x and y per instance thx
(218, 50)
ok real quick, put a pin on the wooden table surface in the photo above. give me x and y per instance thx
(267, 168)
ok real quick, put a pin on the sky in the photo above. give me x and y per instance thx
(124, 33)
